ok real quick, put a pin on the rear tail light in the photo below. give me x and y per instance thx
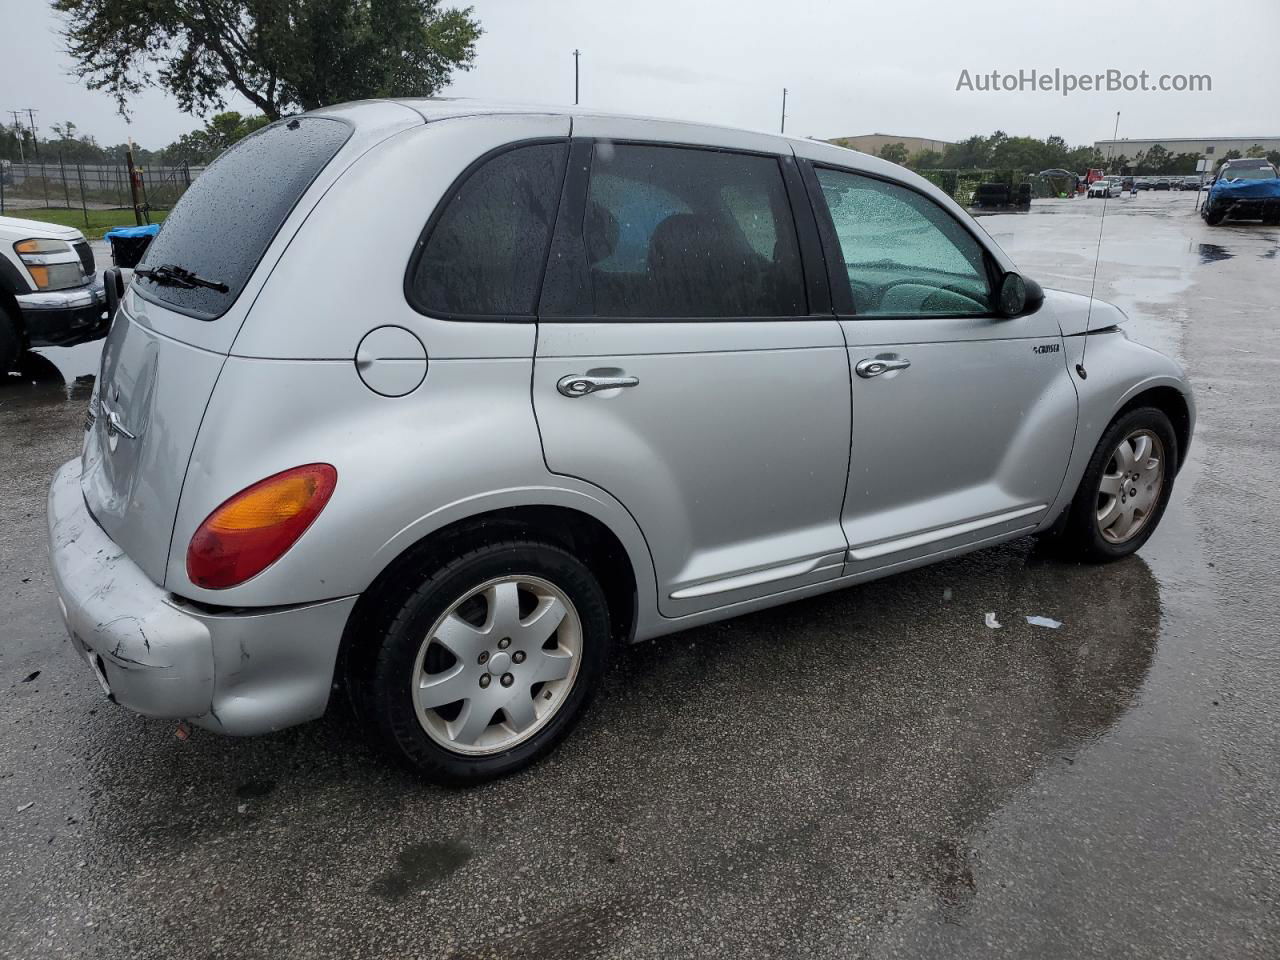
(253, 529)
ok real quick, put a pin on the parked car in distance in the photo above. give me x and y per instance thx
(50, 294)
(539, 426)
(1191, 183)
(1244, 189)
(1162, 184)
(1143, 183)
(1104, 188)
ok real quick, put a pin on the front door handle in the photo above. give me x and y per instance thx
(579, 385)
(874, 366)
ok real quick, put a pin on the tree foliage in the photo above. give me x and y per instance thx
(203, 146)
(894, 153)
(279, 54)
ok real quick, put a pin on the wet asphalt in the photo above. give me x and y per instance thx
(873, 773)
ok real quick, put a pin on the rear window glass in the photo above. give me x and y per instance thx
(225, 221)
(485, 254)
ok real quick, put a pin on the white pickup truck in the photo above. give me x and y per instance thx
(50, 293)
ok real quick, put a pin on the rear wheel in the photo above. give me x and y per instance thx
(487, 662)
(1214, 218)
(1125, 488)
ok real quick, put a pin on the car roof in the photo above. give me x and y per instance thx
(432, 109)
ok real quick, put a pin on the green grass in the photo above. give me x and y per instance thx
(100, 221)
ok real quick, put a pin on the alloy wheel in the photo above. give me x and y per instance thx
(1131, 484)
(498, 665)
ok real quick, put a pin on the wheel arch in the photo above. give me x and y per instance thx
(585, 536)
(1173, 403)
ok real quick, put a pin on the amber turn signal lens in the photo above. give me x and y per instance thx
(253, 529)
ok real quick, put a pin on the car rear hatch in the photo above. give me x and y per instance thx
(172, 334)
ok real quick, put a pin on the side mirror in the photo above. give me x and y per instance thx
(113, 286)
(1018, 295)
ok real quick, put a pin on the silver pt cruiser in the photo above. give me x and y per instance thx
(434, 402)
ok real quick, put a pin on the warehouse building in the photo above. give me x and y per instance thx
(873, 142)
(1211, 147)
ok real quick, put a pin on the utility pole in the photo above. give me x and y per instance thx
(784, 111)
(17, 125)
(575, 77)
(35, 138)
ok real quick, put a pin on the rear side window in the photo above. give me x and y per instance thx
(672, 232)
(484, 255)
(228, 217)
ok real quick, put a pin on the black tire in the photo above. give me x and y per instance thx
(1079, 537)
(10, 342)
(1213, 219)
(382, 668)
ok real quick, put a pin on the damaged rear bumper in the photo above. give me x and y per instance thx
(235, 671)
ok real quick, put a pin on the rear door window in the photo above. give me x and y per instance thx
(228, 217)
(484, 255)
(673, 232)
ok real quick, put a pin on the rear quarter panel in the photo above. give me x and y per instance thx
(464, 443)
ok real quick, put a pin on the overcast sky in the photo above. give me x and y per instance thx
(851, 67)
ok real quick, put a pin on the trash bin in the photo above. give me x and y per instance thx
(129, 244)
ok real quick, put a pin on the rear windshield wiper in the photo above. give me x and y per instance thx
(171, 275)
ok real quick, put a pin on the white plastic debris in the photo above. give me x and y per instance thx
(1044, 622)
(27, 806)
(992, 622)
(242, 808)
(946, 594)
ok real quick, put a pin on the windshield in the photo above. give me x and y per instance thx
(1247, 173)
(224, 223)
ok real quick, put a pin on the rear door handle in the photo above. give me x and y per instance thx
(874, 366)
(579, 385)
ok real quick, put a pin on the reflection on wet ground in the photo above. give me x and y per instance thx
(870, 773)
(1211, 253)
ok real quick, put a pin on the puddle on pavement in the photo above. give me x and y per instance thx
(1213, 253)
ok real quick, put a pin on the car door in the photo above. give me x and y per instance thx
(688, 365)
(963, 419)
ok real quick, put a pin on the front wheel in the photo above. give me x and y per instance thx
(10, 344)
(487, 662)
(1125, 488)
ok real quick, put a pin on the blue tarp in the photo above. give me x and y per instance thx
(1228, 190)
(150, 230)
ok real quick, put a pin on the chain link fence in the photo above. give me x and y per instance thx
(92, 196)
(961, 185)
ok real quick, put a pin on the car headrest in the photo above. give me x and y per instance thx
(681, 239)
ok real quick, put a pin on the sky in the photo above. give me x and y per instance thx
(850, 67)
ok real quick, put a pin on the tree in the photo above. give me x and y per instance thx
(1157, 159)
(279, 54)
(1229, 155)
(1274, 157)
(894, 153)
(1255, 151)
(926, 160)
(203, 146)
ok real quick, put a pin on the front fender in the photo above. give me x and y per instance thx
(1119, 370)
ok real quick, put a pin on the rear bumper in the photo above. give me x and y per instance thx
(61, 318)
(236, 671)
